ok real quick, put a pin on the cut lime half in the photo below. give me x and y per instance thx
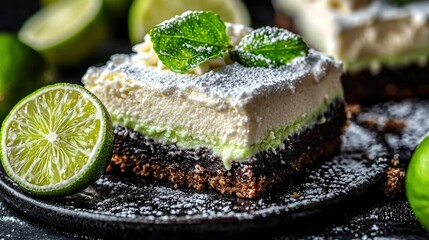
(145, 14)
(56, 141)
(66, 31)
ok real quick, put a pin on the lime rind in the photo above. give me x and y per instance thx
(98, 156)
(417, 182)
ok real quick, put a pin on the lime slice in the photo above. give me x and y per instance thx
(145, 14)
(66, 31)
(417, 182)
(56, 141)
(22, 70)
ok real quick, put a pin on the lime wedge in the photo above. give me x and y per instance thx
(57, 140)
(417, 182)
(145, 14)
(66, 31)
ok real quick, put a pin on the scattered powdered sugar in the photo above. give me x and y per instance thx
(382, 220)
(413, 113)
(234, 82)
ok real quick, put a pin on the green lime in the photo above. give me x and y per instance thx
(57, 140)
(145, 14)
(66, 32)
(417, 182)
(22, 70)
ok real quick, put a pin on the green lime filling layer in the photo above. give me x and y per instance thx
(391, 61)
(226, 150)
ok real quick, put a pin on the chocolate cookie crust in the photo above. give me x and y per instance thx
(199, 168)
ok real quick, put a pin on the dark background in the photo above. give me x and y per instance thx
(394, 218)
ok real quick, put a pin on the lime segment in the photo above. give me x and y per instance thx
(57, 141)
(65, 31)
(417, 182)
(145, 14)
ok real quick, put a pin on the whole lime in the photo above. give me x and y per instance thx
(417, 182)
(22, 70)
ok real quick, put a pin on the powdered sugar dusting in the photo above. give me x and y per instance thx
(234, 82)
(268, 34)
(414, 113)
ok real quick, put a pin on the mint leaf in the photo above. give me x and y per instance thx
(269, 47)
(184, 42)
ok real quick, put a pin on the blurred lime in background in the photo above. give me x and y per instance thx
(145, 14)
(22, 70)
(66, 32)
(417, 182)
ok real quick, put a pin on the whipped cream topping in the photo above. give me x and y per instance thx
(234, 83)
(147, 56)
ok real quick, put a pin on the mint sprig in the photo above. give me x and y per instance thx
(269, 47)
(184, 42)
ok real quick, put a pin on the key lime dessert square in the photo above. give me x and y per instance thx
(384, 44)
(255, 107)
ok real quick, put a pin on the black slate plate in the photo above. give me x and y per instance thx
(128, 207)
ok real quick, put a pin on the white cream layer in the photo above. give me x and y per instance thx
(363, 33)
(232, 106)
